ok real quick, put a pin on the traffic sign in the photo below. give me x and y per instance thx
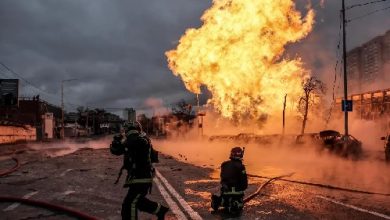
(346, 106)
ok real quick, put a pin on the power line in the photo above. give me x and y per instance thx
(364, 4)
(94, 106)
(25, 80)
(3, 74)
(337, 68)
(27, 92)
(28, 82)
(31, 85)
(57, 98)
(338, 57)
(365, 15)
(33, 91)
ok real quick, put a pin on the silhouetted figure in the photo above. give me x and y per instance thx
(138, 158)
(234, 182)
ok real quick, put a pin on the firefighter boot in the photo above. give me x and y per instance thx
(236, 207)
(161, 213)
(215, 202)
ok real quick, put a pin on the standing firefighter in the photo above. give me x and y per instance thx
(234, 181)
(138, 158)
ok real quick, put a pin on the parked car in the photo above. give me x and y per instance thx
(329, 138)
(346, 146)
(387, 147)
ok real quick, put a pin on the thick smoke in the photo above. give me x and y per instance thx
(273, 156)
(57, 149)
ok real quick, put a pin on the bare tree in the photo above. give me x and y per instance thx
(312, 88)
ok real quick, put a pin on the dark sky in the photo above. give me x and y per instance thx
(115, 49)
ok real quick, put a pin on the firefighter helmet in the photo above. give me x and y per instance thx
(236, 153)
(132, 125)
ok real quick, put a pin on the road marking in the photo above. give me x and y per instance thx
(15, 205)
(194, 215)
(172, 204)
(69, 192)
(354, 207)
(65, 172)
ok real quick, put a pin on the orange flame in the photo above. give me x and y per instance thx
(237, 54)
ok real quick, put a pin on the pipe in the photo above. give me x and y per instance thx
(49, 206)
(13, 169)
(323, 186)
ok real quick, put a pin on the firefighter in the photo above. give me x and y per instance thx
(234, 182)
(138, 158)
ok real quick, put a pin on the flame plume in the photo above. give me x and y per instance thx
(238, 55)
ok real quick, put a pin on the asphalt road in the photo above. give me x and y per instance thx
(83, 180)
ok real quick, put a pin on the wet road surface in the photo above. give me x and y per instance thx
(83, 180)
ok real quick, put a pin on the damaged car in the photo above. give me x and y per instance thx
(346, 146)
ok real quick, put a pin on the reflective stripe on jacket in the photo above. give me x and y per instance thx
(233, 192)
(134, 181)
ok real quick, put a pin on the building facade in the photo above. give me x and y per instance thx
(129, 114)
(30, 111)
(368, 66)
(372, 105)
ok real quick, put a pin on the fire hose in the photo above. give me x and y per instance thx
(49, 206)
(321, 185)
(13, 169)
(258, 191)
(41, 204)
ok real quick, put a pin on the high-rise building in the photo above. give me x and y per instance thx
(353, 70)
(368, 66)
(372, 62)
(386, 55)
(129, 114)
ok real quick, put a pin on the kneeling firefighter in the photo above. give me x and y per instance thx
(233, 183)
(137, 161)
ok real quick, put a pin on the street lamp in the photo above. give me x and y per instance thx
(62, 106)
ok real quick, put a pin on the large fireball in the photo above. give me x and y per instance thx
(238, 55)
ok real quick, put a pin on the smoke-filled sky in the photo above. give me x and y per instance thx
(115, 49)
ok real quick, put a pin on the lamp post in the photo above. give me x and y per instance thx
(62, 106)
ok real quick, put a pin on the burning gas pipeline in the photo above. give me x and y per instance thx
(239, 55)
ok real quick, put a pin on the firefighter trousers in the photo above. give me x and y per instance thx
(233, 203)
(136, 200)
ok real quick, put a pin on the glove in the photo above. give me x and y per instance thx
(118, 137)
(116, 147)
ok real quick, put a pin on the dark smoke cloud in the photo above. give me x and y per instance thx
(116, 48)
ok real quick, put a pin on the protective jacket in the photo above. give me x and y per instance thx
(233, 183)
(233, 177)
(138, 156)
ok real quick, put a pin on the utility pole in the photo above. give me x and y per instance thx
(93, 122)
(62, 110)
(284, 114)
(199, 116)
(345, 69)
(87, 116)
